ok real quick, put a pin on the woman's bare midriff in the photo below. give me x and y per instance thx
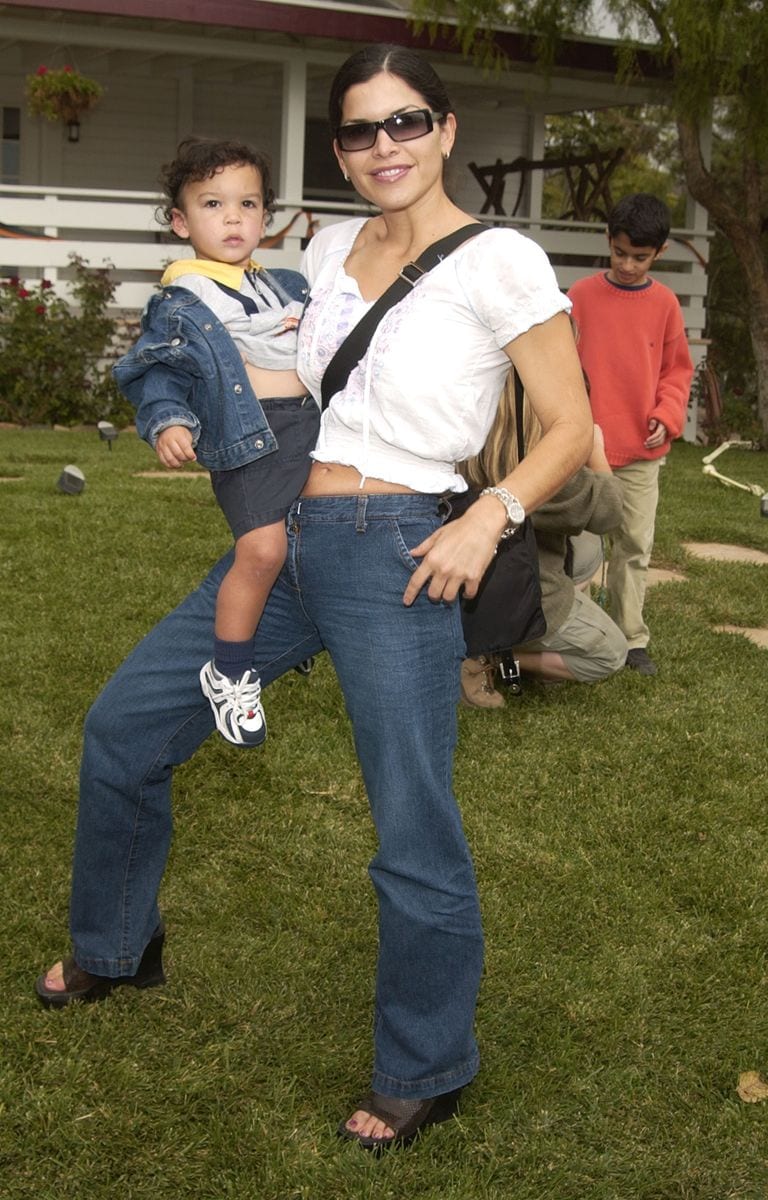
(271, 384)
(333, 479)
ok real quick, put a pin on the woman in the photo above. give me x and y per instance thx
(372, 576)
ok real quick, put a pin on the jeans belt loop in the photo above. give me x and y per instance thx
(360, 522)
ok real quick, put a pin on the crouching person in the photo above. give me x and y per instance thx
(582, 642)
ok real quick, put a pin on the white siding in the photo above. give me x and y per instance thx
(487, 130)
(248, 108)
(124, 140)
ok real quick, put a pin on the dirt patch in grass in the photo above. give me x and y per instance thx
(170, 474)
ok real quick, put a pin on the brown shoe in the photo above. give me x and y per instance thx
(477, 690)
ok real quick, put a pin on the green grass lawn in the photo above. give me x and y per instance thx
(621, 843)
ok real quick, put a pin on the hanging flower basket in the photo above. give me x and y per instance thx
(61, 94)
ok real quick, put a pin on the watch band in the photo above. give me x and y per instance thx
(514, 509)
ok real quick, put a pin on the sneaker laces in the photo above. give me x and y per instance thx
(245, 695)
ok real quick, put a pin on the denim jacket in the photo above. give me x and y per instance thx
(186, 370)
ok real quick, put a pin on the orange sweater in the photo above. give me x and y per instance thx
(632, 346)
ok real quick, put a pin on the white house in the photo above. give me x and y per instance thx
(260, 70)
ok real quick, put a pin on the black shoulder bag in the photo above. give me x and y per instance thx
(506, 611)
(507, 608)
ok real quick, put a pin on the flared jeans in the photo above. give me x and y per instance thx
(341, 589)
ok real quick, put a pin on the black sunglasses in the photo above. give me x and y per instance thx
(401, 127)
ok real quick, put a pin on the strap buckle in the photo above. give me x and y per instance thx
(411, 273)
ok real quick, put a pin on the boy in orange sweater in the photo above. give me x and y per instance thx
(632, 345)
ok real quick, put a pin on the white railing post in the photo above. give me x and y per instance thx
(51, 231)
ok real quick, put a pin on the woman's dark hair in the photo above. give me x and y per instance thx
(200, 158)
(408, 65)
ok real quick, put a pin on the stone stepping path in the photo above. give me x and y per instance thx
(758, 636)
(714, 552)
(725, 552)
(660, 575)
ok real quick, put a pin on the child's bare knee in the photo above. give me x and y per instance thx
(261, 550)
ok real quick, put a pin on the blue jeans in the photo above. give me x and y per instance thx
(341, 589)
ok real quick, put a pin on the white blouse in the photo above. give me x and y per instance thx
(425, 394)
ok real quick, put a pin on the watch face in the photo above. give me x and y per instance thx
(516, 511)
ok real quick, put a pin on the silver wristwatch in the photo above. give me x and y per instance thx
(515, 510)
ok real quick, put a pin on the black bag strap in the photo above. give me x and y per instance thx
(356, 342)
(519, 397)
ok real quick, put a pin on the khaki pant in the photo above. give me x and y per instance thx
(631, 546)
(589, 642)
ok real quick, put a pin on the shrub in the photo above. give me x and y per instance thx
(52, 355)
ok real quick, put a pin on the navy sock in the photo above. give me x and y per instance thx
(232, 658)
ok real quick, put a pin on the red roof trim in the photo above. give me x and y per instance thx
(348, 25)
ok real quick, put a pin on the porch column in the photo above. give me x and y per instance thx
(536, 144)
(291, 181)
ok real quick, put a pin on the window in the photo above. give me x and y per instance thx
(322, 176)
(10, 145)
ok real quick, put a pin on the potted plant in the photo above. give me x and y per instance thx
(61, 94)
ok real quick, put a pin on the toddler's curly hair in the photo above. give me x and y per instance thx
(200, 158)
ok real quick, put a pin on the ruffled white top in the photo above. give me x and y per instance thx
(425, 394)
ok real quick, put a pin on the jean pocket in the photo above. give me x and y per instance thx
(408, 534)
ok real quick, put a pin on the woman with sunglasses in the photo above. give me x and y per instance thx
(373, 575)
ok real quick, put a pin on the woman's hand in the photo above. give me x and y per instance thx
(456, 556)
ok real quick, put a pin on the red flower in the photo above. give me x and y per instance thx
(40, 309)
(22, 293)
(68, 70)
(46, 284)
(41, 71)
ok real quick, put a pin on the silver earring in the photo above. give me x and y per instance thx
(446, 156)
(346, 177)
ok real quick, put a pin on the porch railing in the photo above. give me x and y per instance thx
(42, 227)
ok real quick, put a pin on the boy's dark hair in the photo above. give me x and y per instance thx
(408, 65)
(200, 158)
(644, 218)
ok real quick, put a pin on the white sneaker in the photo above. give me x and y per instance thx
(236, 705)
